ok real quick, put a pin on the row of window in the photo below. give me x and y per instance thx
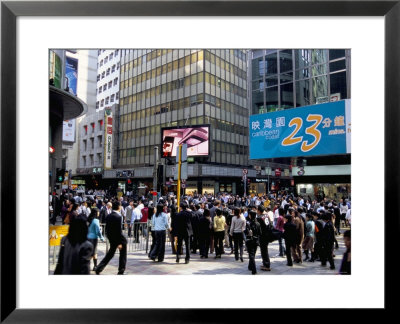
(99, 160)
(110, 84)
(109, 57)
(180, 104)
(107, 72)
(92, 127)
(180, 83)
(110, 99)
(177, 64)
(92, 144)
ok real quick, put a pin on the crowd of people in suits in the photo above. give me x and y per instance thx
(208, 224)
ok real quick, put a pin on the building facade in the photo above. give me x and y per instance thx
(107, 78)
(292, 78)
(181, 87)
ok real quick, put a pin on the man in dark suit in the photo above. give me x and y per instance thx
(116, 238)
(182, 228)
(327, 241)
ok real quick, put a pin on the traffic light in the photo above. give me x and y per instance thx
(60, 175)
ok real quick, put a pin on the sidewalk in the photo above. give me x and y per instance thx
(139, 264)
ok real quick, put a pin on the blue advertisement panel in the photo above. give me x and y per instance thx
(322, 129)
(71, 72)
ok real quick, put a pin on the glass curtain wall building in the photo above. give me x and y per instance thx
(183, 87)
(283, 79)
(291, 78)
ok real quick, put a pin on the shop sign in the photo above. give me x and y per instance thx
(56, 233)
(278, 172)
(108, 139)
(261, 180)
(321, 129)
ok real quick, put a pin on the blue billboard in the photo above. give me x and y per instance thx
(71, 72)
(322, 129)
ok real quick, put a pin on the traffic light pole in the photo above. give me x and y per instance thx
(245, 184)
(179, 177)
(155, 175)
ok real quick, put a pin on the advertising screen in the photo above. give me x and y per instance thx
(196, 138)
(322, 129)
(71, 72)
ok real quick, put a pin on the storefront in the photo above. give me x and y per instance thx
(321, 190)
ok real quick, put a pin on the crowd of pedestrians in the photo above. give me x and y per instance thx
(209, 224)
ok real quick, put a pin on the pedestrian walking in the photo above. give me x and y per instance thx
(182, 228)
(308, 242)
(252, 232)
(94, 233)
(205, 231)
(238, 226)
(219, 232)
(327, 241)
(116, 238)
(290, 236)
(76, 251)
(345, 267)
(159, 225)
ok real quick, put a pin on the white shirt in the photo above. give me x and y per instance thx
(348, 216)
(136, 214)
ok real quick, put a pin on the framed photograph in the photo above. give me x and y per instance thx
(28, 29)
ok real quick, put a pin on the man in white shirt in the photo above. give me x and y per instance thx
(135, 220)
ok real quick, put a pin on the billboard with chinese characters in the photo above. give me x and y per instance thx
(196, 138)
(108, 139)
(322, 129)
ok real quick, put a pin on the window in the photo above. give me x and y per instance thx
(85, 144)
(118, 66)
(111, 56)
(115, 81)
(116, 96)
(112, 98)
(110, 84)
(108, 71)
(97, 105)
(85, 129)
(100, 90)
(101, 63)
(99, 52)
(100, 124)
(92, 143)
(105, 87)
(100, 140)
(84, 160)
(107, 100)
(106, 60)
(103, 75)
(99, 161)
(113, 68)
(93, 125)
(98, 77)
(102, 103)
(116, 52)
(91, 159)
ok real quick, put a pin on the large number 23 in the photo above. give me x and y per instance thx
(312, 130)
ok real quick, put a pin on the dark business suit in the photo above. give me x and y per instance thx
(182, 227)
(327, 241)
(115, 236)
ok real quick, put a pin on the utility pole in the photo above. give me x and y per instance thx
(155, 175)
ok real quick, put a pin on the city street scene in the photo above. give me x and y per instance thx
(200, 162)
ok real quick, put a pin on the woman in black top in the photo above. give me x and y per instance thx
(253, 232)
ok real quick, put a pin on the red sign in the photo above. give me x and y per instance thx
(278, 172)
(109, 130)
(109, 120)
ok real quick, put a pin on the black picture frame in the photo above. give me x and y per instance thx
(10, 10)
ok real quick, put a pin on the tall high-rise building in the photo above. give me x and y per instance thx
(293, 78)
(162, 88)
(107, 78)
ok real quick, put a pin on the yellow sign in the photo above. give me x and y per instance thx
(119, 194)
(56, 233)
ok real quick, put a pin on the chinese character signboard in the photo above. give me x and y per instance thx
(108, 142)
(322, 129)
